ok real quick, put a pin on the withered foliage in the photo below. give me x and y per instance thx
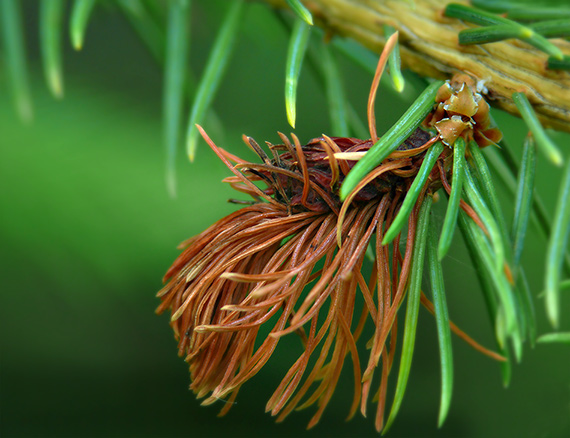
(277, 263)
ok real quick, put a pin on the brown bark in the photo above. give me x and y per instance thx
(429, 46)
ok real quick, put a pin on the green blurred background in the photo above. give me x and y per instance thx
(87, 230)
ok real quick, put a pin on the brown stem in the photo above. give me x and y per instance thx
(429, 46)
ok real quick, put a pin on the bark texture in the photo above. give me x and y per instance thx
(429, 46)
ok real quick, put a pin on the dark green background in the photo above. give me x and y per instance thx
(87, 230)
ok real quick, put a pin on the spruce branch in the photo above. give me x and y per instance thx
(430, 47)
